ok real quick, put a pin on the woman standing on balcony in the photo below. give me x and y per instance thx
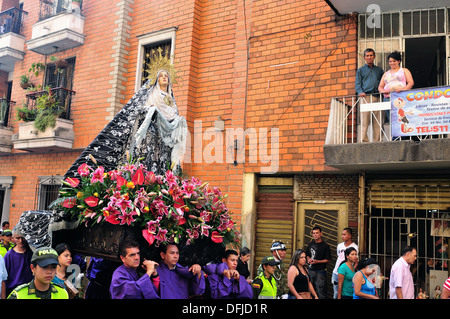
(396, 79)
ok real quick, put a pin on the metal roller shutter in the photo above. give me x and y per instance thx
(274, 222)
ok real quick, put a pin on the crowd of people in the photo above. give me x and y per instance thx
(47, 273)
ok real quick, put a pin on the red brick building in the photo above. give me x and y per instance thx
(267, 69)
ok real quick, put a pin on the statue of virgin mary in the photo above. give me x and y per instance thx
(148, 127)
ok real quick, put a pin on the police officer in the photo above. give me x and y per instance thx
(43, 266)
(264, 286)
(278, 250)
(6, 243)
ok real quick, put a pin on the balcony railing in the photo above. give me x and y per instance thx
(61, 95)
(11, 20)
(345, 127)
(49, 8)
(5, 112)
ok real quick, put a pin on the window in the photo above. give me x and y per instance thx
(150, 51)
(62, 78)
(47, 190)
(151, 42)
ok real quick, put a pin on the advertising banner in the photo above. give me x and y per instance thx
(420, 112)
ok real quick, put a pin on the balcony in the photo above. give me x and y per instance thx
(419, 147)
(59, 28)
(12, 41)
(54, 138)
(6, 129)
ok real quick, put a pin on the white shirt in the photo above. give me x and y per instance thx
(401, 277)
(340, 249)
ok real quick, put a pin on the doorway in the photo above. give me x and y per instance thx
(331, 217)
(425, 57)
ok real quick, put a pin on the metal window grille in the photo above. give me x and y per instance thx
(150, 51)
(413, 215)
(395, 26)
(47, 190)
(49, 8)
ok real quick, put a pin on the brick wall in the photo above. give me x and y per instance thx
(330, 187)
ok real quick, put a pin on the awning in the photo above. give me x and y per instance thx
(360, 6)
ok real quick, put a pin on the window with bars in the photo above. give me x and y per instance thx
(152, 50)
(47, 190)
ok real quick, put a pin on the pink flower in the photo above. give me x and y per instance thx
(206, 216)
(84, 170)
(205, 230)
(123, 204)
(161, 236)
(189, 189)
(159, 207)
(98, 175)
(127, 218)
(171, 179)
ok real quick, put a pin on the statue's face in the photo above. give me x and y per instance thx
(163, 79)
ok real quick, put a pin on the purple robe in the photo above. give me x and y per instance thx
(18, 268)
(179, 283)
(126, 284)
(224, 288)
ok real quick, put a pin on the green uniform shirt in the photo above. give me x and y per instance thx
(4, 250)
(280, 276)
(264, 288)
(29, 291)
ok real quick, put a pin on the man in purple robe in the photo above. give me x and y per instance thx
(126, 282)
(18, 262)
(176, 281)
(225, 281)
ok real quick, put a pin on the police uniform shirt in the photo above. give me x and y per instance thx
(33, 291)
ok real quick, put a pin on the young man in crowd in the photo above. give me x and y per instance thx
(177, 281)
(318, 255)
(226, 283)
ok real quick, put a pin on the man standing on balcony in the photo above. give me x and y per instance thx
(366, 85)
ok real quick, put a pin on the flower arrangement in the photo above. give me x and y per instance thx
(169, 209)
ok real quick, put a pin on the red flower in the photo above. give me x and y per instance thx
(73, 181)
(216, 237)
(92, 201)
(69, 202)
(121, 181)
(138, 177)
(149, 237)
(113, 219)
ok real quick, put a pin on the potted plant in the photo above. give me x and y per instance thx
(25, 82)
(59, 63)
(35, 69)
(48, 110)
(25, 114)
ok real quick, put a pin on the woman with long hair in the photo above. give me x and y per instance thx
(362, 285)
(299, 284)
(346, 271)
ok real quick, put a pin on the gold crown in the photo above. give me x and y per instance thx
(158, 62)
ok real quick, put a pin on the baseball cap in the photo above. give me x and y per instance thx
(278, 245)
(7, 232)
(45, 256)
(269, 261)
